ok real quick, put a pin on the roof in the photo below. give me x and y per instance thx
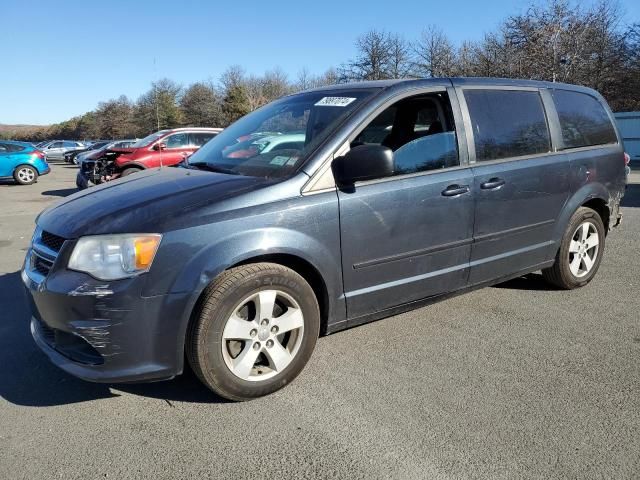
(15, 142)
(205, 129)
(515, 82)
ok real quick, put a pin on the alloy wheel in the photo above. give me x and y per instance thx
(583, 249)
(263, 335)
(26, 175)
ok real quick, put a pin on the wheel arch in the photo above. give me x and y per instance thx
(306, 270)
(592, 195)
(137, 165)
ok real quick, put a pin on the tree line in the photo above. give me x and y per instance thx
(556, 41)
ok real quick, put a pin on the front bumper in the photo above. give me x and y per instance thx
(106, 331)
(82, 179)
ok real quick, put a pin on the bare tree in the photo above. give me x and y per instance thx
(434, 55)
(399, 57)
(372, 60)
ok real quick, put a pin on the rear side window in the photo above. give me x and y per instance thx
(507, 123)
(199, 139)
(583, 120)
(10, 147)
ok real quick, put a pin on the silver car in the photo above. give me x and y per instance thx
(56, 149)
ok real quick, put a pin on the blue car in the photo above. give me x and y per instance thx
(22, 162)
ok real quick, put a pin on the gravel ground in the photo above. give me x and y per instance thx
(514, 381)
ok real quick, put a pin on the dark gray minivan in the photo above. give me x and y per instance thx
(385, 196)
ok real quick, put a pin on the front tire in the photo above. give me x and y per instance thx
(254, 332)
(129, 171)
(580, 252)
(25, 175)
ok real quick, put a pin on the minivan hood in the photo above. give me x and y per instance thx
(145, 202)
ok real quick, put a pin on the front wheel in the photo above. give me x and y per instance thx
(25, 175)
(580, 252)
(254, 332)
(129, 171)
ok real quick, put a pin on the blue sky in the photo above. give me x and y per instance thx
(60, 58)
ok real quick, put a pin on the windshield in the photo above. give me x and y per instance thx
(275, 140)
(149, 139)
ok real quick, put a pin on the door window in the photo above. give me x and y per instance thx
(583, 120)
(178, 140)
(200, 138)
(68, 144)
(507, 123)
(56, 145)
(419, 130)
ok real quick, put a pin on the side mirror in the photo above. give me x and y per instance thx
(159, 146)
(364, 162)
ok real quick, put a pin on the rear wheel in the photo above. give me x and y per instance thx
(580, 252)
(25, 175)
(255, 331)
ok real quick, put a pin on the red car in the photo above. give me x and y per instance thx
(166, 147)
(163, 148)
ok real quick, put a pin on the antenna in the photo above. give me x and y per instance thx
(155, 94)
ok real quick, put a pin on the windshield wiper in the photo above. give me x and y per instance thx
(212, 168)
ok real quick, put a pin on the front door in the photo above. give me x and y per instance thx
(178, 147)
(408, 237)
(54, 151)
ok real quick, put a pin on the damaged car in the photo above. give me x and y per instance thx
(163, 148)
(399, 193)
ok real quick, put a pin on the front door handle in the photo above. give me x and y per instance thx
(492, 184)
(455, 190)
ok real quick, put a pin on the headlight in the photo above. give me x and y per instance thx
(111, 257)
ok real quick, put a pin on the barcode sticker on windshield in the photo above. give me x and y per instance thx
(279, 160)
(334, 101)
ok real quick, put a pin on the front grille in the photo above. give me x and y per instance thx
(40, 265)
(51, 241)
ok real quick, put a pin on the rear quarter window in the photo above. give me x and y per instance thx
(10, 147)
(199, 139)
(507, 123)
(583, 120)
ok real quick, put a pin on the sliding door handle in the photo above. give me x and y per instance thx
(492, 184)
(455, 190)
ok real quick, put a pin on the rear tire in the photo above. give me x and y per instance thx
(25, 175)
(129, 171)
(254, 332)
(580, 252)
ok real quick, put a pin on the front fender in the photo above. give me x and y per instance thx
(204, 265)
(213, 259)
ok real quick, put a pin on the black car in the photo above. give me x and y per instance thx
(403, 193)
(69, 157)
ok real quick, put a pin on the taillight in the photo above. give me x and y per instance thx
(39, 154)
(627, 158)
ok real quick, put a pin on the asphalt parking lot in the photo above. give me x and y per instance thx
(513, 381)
